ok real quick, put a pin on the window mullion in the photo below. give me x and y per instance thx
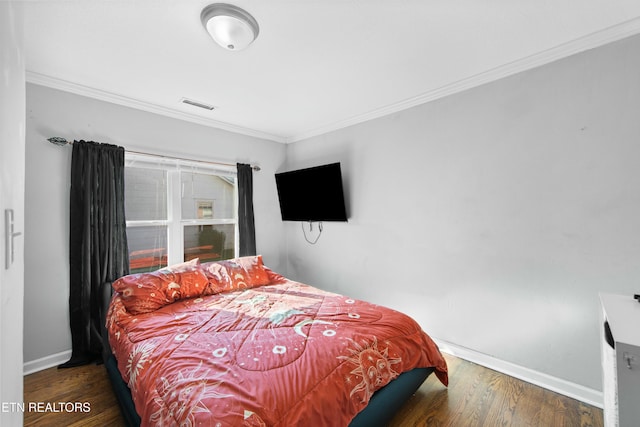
(149, 223)
(217, 221)
(175, 230)
(236, 243)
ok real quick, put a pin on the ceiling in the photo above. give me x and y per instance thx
(316, 66)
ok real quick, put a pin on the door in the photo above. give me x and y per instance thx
(12, 172)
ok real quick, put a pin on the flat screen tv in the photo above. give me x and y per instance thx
(312, 194)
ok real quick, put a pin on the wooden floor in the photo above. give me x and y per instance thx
(84, 384)
(476, 396)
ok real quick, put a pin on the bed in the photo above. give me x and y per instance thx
(232, 343)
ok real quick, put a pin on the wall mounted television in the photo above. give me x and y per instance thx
(312, 194)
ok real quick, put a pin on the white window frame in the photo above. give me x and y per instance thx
(175, 223)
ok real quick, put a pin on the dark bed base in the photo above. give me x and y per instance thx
(123, 394)
(383, 405)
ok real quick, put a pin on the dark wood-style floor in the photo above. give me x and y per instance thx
(476, 396)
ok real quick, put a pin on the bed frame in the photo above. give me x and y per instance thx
(383, 405)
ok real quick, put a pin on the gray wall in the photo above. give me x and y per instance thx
(494, 216)
(56, 113)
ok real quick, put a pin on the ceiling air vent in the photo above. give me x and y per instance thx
(197, 104)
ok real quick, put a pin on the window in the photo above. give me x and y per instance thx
(178, 210)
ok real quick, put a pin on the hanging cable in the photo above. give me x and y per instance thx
(313, 242)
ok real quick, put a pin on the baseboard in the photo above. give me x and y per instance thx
(46, 362)
(558, 385)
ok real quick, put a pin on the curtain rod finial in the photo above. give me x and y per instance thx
(57, 140)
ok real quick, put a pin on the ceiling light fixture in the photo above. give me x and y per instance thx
(231, 27)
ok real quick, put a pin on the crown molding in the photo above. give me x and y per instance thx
(78, 89)
(591, 41)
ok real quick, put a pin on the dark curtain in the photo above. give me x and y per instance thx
(246, 225)
(98, 250)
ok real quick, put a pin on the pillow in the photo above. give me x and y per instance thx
(147, 292)
(236, 274)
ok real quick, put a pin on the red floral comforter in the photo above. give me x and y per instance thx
(241, 354)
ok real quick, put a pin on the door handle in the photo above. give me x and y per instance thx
(9, 234)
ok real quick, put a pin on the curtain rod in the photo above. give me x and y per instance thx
(57, 140)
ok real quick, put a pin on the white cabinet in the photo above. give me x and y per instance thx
(620, 349)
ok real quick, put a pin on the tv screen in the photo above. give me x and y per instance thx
(312, 194)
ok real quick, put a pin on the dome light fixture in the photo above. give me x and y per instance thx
(231, 27)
